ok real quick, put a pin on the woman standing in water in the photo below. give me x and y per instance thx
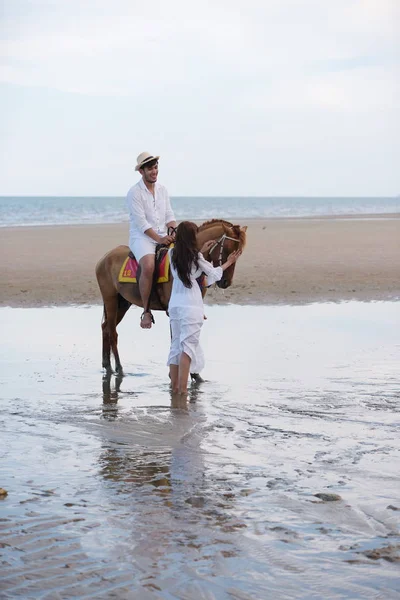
(186, 309)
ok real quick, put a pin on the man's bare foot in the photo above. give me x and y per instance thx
(146, 320)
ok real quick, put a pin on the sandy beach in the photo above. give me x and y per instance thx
(286, 261)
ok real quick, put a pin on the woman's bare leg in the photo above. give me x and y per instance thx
(174, 376)
(184, 368)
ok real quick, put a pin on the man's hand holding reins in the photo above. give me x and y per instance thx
(166, 240)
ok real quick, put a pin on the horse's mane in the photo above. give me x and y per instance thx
(214, 221)
(241, 234)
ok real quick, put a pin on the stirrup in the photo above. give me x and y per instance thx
(150, 313)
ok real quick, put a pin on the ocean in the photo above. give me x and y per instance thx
(58, 210)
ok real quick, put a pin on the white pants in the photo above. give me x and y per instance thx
(142, 246)
(185, 337)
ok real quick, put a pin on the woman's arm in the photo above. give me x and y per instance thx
(213, 273)
(232, 258)
(207, 267)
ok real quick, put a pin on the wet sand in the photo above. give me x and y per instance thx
(117, 491)
(286, 261)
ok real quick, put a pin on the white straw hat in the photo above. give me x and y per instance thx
(144, 158)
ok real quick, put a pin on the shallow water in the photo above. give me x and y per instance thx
(114, 491)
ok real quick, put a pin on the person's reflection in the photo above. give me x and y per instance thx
(195, 391)
(154, 470)
(154, 466)
(181, 401)
(140, 468)
(110, 394)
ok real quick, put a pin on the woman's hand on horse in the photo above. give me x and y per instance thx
(232, 258)
(206, 246)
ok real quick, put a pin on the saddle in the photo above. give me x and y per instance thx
(130, 270)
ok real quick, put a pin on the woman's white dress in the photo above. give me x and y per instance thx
(186, 313)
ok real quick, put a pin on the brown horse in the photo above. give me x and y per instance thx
(118, 297)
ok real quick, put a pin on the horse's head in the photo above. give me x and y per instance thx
(227, 238)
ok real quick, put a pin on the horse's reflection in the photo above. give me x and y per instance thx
(111, 390)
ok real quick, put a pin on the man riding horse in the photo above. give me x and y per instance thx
(150, 215)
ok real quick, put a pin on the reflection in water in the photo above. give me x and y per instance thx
(110, 394)
(171, 501)
(142, 467)
(179, 401)
(213, 495)
(111, 386)
(195, 390)
(171, 516)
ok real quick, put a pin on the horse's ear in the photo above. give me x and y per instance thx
(244, 228)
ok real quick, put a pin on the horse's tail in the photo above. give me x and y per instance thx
(123, 303)
(104, 317)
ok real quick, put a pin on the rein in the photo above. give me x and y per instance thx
(221, 243)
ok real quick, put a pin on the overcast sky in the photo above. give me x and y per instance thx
(239, 97)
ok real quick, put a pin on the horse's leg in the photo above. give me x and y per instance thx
(123, 306)
(110, 335)
(106, 342)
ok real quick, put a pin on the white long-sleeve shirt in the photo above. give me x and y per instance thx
(189, 301)
(147, 211)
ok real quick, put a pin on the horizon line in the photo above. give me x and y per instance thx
(285, 196)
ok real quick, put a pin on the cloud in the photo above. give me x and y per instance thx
(285, 74)
(110, 50)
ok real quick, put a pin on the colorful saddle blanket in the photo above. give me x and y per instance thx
(130, 267)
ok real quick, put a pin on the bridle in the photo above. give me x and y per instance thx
(221, 243)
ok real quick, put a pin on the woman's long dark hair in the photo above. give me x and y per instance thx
(185, 252)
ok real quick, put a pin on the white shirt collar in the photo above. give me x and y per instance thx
(144, 186)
